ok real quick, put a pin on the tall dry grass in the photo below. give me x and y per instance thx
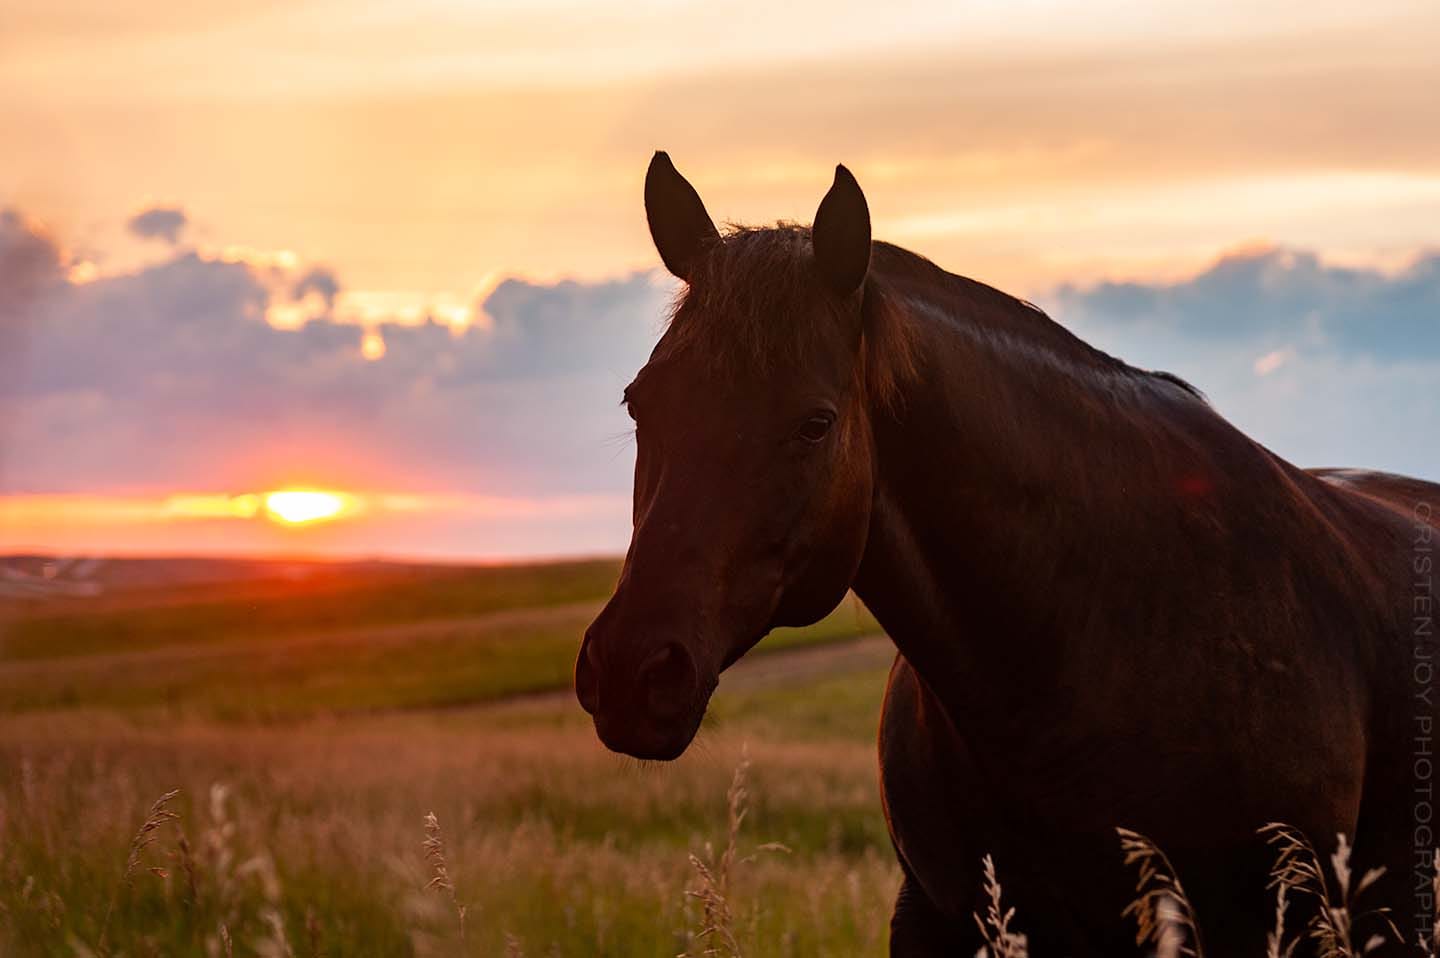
(440, 880)
(220, 880)
(1166, 920)
(160, 816)
(296, 840)
(1161, 910)
(717, 934)
(1000, 940)
(1298, 871)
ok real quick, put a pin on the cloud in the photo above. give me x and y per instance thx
(159, 222)
(32, 266)
(1325, 364)
(170, 377)
(1271, 361)
(1275, 296)
(570, 327)
(30, 262)
(318, 280)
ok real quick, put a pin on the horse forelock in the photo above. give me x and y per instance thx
(754, 303)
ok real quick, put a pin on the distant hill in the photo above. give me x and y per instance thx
(32, 579)
(41, 576)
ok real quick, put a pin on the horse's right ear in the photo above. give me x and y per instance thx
(679, 224)
(841, 235)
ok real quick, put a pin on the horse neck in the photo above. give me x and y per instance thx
(1025, 487)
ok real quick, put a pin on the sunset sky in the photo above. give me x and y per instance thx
(396, 249)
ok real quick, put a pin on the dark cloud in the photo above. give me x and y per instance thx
(30, 262)
(170, 377)
(31, 268)
(1325, 364)
(159, 222)
(319, 280)
(1278, 297)
(570, 327)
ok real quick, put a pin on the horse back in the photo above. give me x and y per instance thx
(1393, 520)
(1414, 498)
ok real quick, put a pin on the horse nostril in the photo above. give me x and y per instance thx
(587, 681)
(667, 680)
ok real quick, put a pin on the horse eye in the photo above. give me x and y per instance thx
(815, 428)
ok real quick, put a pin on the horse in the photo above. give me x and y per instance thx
(1110, 607)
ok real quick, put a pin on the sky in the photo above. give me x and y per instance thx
(397, 250)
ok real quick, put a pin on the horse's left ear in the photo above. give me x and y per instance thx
(841, 235)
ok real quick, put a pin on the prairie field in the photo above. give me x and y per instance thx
(309, 722)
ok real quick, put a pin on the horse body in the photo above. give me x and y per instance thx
(1130, 615)
(1112, 609)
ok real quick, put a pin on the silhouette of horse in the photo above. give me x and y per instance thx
(1111, 607)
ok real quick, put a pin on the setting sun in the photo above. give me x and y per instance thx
(296, 506)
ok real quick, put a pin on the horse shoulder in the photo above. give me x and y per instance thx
(932, 793)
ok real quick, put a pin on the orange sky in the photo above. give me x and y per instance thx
(364, 524)
(426, 149)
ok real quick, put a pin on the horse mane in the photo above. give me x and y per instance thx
(971, 297)
(754, 301)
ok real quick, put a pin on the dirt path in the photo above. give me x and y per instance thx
(796, 666)
(761, 669)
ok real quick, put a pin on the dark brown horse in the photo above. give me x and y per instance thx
(1111, 607)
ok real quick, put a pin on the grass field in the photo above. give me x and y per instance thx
(331, 643)
(311, 726)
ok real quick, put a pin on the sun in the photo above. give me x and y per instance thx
(301, 506)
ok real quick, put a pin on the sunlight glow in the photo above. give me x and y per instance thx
(281, 506)
(212, 507)
(259, 258)
(1272, 361)
(372, 345)
(82, 272)
(371, 308)
(299, 506)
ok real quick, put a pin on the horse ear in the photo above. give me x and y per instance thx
(679, 224)
(841, 235)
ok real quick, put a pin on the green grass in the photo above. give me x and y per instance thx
(551, 840)
(458, 664)
(310, 727)
(832, 707)
(336, 599)
(495, 650)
